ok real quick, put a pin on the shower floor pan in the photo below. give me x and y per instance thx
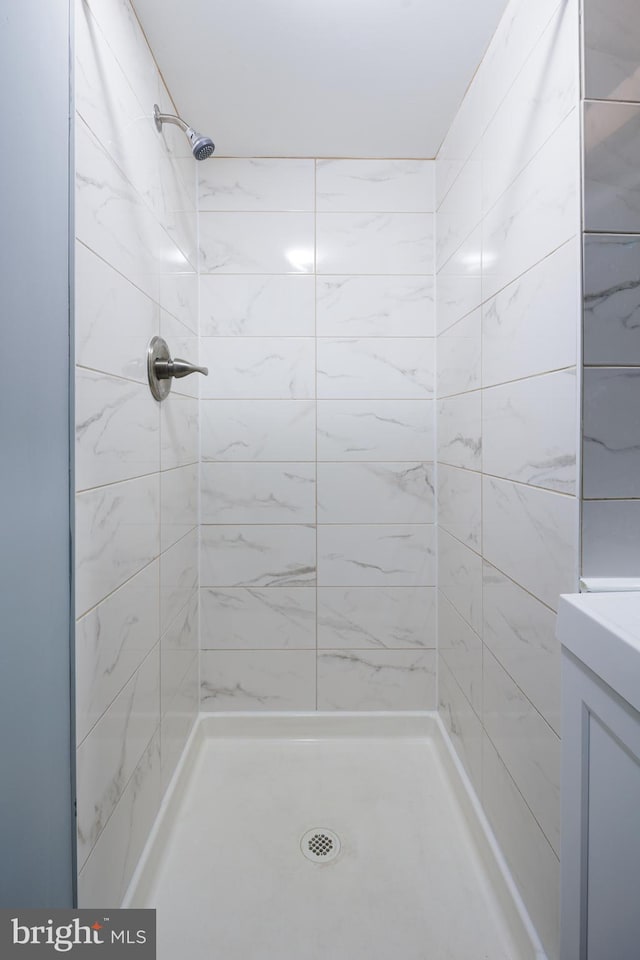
(242, 862)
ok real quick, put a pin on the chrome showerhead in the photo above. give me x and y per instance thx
(202, 147)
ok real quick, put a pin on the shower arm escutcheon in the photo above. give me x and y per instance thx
(161, 369)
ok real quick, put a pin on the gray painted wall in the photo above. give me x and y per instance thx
(36, 867)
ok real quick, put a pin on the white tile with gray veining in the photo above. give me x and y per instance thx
(258, 680)
(178, 650)
(611, 433)
(459, 284)
(256, 243)
(611, 300)
(254, 430)
(518, 33)
(527, 745)
(178, 718)
(117, 534)
(542, 95)
(459, 356)
(178, 503)
(112, 640)
(612, 177)
(257, 306)
(178, 431)
(448, 169)
(375, 493)
(108, 105)
(175, 201)
(375, 306)
(460, 430)
(105, 876)
(258, 556)
(179, 297)
(460, 578)
(530, 429)
(384, 185)
(177, 722)
(110, 108)
(461, 649)
(109, 755)
(376, 680)
(384, 368)
(460, 504)
(136, 226)
(251, 184)
(456, 297)
(173, 195)
(114, 320)
(124, 35)
(461, 723)
(178, 577)
(376, 430)
(460, 211)
(521, 634)
(612, 40)
(547, 522)
(268, 368)
(258, 492)
(530, 326)
(114, 222)
(376, 555)
(376, 617)
(380, 243)
(610, 538)
(538, 213)
(117, 430)
(250, 618)
(512, 157)
(529, 855)
(462, 137)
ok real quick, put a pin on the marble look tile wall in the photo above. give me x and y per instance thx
(317, 434)
(611, 483)
(136, 545)
(508, 320)
(611, 43)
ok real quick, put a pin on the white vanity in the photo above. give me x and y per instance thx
(600, 862)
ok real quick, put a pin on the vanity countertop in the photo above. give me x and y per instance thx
(603, 631)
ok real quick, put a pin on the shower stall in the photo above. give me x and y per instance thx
(381, 336)
(315, 587)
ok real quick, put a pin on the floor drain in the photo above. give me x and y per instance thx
(320, 845)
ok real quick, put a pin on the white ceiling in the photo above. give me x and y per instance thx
(320, 78)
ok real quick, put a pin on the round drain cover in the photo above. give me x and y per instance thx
(320, 845)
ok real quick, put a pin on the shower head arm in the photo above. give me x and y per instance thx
(201, 147)
(161, 118)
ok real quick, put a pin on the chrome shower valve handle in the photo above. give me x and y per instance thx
(165, 369)
(161, 369)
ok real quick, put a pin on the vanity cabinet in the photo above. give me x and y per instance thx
(600, 853)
